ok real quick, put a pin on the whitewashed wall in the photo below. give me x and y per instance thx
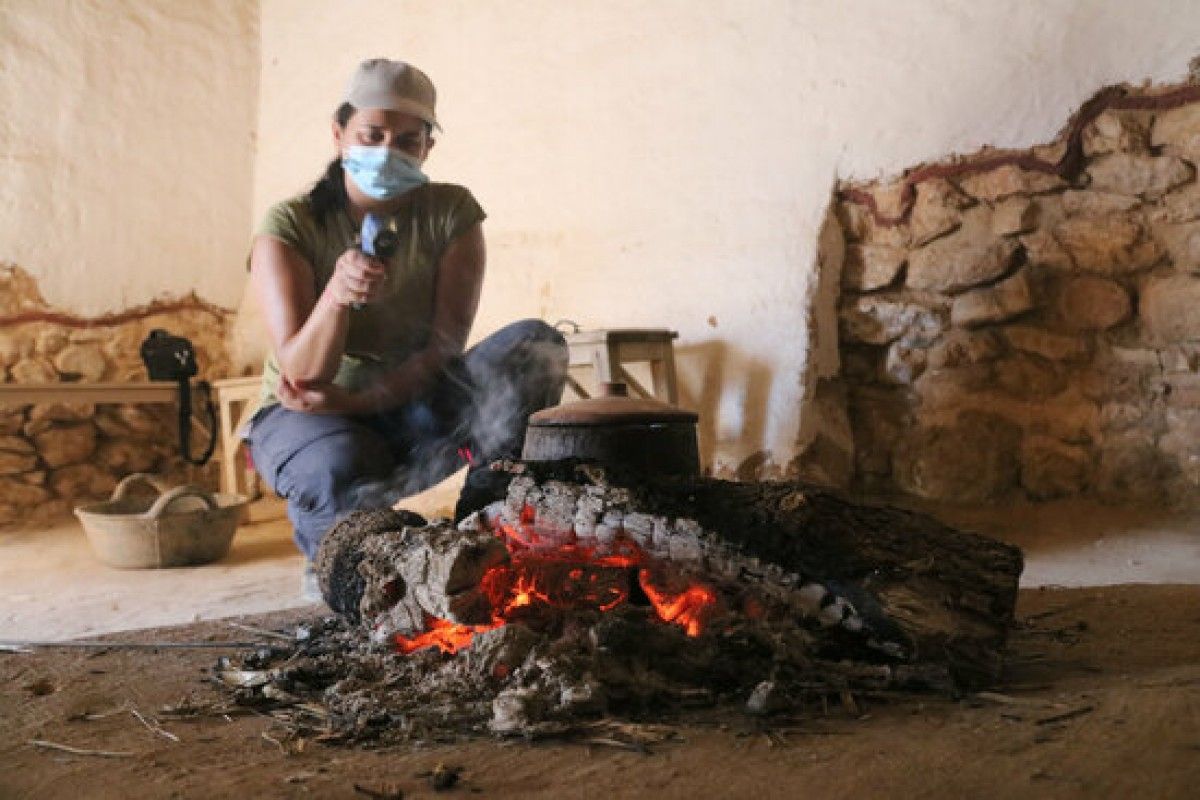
(126, 149)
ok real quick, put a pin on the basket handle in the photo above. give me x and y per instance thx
(164, 500)
(122, 488)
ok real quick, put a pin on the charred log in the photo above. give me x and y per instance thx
(342, 550)
(871, 584)
(427, 572)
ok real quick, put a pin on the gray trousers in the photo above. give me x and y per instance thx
(475, 411)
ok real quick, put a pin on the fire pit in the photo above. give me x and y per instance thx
(587, 593)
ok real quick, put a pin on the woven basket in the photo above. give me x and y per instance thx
(182, 526)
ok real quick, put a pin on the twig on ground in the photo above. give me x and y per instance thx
(1079, 712)
(1050, 612)
(92, 716)
(640, 734)
(617, 743)
(153, 728)
(78, 751)
(386, 792)
(275, 742)
(262, 632)
(185, 710)
(1008, 700)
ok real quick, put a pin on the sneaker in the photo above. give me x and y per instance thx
(310, 587)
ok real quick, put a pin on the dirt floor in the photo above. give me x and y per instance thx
(1102, 699)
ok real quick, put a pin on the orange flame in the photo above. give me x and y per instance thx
(449, 637)
(552, 569)
(688, 609)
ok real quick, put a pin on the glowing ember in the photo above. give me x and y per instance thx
(689, 608)
(445, 636)
(548, 570)
(525, 593)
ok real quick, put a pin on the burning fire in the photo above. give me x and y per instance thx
(689, 608)
(445, 636)
(557, 572)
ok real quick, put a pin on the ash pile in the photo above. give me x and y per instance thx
(577, 598)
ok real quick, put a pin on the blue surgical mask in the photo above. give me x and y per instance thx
(382, 172)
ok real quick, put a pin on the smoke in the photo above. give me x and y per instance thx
(477, 407)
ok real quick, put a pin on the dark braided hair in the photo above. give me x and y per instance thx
(328, 194)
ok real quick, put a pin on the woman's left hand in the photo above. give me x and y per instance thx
(321, 398)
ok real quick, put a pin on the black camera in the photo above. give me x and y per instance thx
(168, 357)
(173, 358)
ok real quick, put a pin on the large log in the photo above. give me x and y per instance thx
(909, 587)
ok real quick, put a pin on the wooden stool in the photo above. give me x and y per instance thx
(237, 400)
(606, 351)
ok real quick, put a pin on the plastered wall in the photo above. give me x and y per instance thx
(126, 147)
(669, 163)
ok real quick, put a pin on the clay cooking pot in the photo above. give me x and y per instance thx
(629, 434)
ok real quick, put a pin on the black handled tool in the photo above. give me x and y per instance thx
(378, 239)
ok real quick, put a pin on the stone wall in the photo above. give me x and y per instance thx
(1030, 321)
(53, 456)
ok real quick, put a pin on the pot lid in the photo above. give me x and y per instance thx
(613, 407)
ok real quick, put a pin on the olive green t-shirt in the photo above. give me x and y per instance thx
(384, 333)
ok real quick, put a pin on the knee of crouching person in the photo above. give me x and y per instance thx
(536, 330)
(547, 344)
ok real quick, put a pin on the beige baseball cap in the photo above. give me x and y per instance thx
(381, 83)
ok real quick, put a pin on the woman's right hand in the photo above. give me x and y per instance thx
(357, 278)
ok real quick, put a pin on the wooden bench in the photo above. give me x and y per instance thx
(236, 400)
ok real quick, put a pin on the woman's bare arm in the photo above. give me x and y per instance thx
(308, 332)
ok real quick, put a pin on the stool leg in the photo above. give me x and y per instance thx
(634, 385)
(604, 359)
(228, 439)
(577, 388)
(662, 370)
(247, 479)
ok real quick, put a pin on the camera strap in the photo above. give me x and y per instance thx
(185, 421)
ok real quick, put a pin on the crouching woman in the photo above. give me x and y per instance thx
(368, 393)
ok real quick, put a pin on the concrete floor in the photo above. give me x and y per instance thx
(51, 587)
